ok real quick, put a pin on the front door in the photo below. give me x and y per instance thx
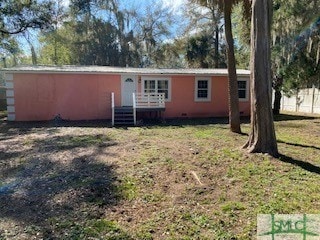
(128, 86)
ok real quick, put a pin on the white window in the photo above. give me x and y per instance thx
(243, 90)
(202, 89)
(157, 85)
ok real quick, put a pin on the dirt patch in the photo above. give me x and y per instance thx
(53, 174)
(183, 181)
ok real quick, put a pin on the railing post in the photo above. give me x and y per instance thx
(313, 98)
(134, 108)
(161, 99)
(112, 107)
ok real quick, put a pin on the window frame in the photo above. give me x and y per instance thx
(156, 79)
(209, 89)
(246, 98)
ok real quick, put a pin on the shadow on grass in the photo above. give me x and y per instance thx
(9, 128)
(69, 142)
(289, 117)
(299, 145)
(61, 190)
(181, 122)
(302, 164)
(26, 127)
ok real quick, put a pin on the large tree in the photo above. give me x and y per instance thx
(152, 26)
(197, 51)
(295, 46)
(17, 16)
(59, 16)
(206, 19)
(234, 113)
(9, 47)
(295, 38)
(170, 54)
(262, 137)
(93, 34)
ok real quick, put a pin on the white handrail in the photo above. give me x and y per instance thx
(112, 107)
(150, 100)
(134, 108)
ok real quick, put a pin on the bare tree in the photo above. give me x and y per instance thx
(152, 25)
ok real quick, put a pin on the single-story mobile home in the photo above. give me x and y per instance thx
(39, 93)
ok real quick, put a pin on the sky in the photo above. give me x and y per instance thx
(175, 4)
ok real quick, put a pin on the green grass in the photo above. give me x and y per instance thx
(69, 142)
(127, 188)
(179, 182)
(91, 229)
(246, 184)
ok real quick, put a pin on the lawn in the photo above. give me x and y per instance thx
(180, 180)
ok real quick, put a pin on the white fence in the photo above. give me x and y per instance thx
(306, 101)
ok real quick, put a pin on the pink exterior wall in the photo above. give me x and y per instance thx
(40, 96)
(183, 102)
(73, 96)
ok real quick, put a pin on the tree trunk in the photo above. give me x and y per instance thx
(216, 47)
(234, 114)
(277, 102)
(33, 55)
(262, 137)
(55, 57)
(4, 62)
(278, 81)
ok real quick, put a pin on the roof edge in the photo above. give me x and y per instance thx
(69, 69)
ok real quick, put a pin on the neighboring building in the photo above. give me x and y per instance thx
(37, 93)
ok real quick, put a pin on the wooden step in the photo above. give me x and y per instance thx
(123, 116)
